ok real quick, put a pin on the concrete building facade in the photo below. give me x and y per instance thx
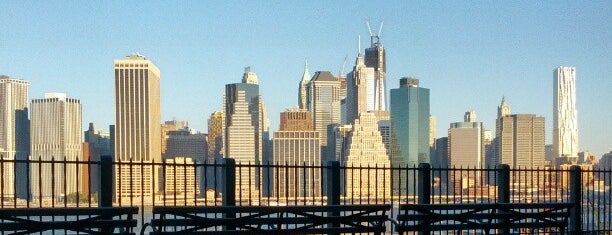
(366, 149)
(137, 128)
(14, 136)
(296, 143)
(56, 135)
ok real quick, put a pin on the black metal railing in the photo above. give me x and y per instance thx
(71, 183)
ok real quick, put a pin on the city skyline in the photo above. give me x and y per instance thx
(515, 60)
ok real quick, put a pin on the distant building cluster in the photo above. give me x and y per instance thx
(343, 117)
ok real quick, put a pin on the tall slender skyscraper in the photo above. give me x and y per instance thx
(248, 89)
(302, 94)
(137, 128)
(360, 89)
(56, 134)
(409, 129)
(409, 123)
(565, 117)
(14, 135)
(375, 58)
(240, 144)
(324, 102)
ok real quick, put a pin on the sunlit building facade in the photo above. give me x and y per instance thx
(56, 135)
(137, 128)
(14, 135)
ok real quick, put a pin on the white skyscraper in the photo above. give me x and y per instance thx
(14, 134)
(565, 122)
(241, 146)
(56, 134)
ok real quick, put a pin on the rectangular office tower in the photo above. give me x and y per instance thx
(324, 102)
(565, 117)
(137, 129)
(466, 150)
(296, 143)
(14, 136)
(409, 130)
(56, 135)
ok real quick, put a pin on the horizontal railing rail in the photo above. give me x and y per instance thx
(68, 182)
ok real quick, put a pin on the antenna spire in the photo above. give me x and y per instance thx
(359, 44)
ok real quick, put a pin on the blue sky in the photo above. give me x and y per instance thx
(469, 54)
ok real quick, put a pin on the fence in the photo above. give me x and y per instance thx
(181, 182)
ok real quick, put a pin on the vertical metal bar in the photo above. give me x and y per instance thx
(503, 187)
(65, 178)
(424, 188)
(576, 199)
(333, 197)
(229, 183)
(77, 175)
(105, 196)
(53, 181)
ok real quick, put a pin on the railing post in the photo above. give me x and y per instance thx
(503, 183)
(229, 187)
(333, 186)
(424, 187)
(575, 226)
(424, 184)
(229, 182)
(503, 189)
(105, 196)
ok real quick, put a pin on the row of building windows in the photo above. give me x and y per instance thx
(132, 65)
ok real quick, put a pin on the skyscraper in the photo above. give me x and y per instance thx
(375, 58)
(324, 102)
(14, 135)
(216, 127)
(240, 144)
(56, 134)
(565, 117)
(137, 128)
(466, 150)
(409, 128)
(302, 94)
(409, 123)
(519, 139)
(366, 149)
(360, 87)
(297, 143)
(250, 89)
(519, 143)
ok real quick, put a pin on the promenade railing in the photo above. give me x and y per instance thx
(61, 182)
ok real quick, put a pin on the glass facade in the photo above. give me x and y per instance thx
(409, 130)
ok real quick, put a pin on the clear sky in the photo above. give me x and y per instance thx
(469, 54)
